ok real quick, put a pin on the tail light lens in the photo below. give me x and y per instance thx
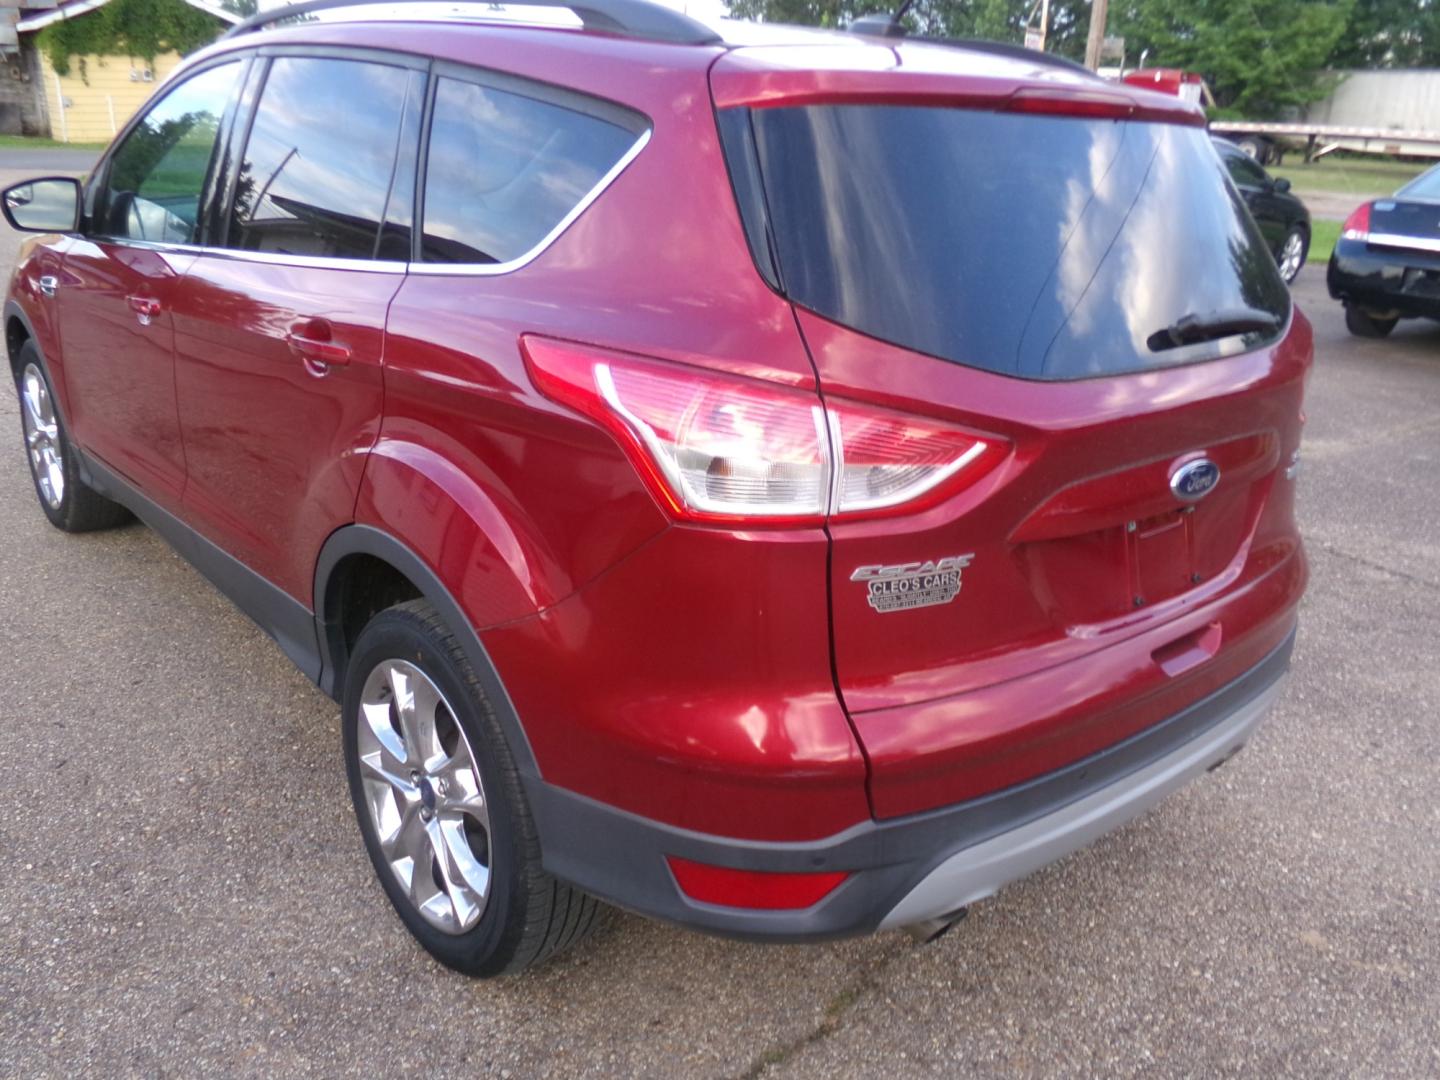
(889, 460)
(714, 447)
(1357, 225)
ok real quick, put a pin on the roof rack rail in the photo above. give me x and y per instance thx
(629, 18)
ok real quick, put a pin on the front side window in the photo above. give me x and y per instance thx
(505, 169)
(157, 175)
(320, 161)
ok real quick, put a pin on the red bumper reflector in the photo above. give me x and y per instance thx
(751, 888)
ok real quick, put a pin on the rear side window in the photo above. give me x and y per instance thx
(1036, 246)
(506, 168)
(1243, 171)
(320, 161)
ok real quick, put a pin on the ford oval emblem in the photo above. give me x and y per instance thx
(1195, 479)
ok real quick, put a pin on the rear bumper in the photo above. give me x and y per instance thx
(1385, 279)
(907, 870)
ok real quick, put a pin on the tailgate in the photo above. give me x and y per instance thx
(1085, 291)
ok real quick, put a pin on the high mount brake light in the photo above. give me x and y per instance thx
(721, 448)
(1357, 225)
(1073, 103)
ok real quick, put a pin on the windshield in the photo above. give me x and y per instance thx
(1036, 246)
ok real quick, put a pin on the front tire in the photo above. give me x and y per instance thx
(69, 503)
(440, 804)
(1362, 324)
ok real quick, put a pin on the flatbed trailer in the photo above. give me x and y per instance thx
(1268, 142)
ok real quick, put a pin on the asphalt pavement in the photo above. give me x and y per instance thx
(59, 159)
(183, 890)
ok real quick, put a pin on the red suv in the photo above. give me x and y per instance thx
(786, 483)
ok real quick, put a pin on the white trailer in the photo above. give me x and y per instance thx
(1370, 112)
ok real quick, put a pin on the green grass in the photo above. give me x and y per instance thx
(1349, 176)
(1323, 235)
(34, 142)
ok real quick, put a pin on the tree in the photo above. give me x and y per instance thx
(1390, 33)
(1260, 57)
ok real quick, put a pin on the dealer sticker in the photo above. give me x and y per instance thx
(905, 586)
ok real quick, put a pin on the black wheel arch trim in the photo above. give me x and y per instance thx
(329, 633)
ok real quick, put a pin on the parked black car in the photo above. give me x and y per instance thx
(1282, 217)
(1386, 264)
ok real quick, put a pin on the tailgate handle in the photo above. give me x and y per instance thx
(1184, 653)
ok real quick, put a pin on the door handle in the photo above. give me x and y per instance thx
(318, 353)
(145, 308)
(48, 284)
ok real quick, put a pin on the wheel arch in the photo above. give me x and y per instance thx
(19, 329)
(17, 332)
(38, 326)
(354, 549)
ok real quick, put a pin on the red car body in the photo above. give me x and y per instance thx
(693, 696)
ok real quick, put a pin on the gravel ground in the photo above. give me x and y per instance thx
(183, 890)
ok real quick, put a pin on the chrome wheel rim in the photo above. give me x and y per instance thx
(1290, 256)
(423, 793)
(42, 436)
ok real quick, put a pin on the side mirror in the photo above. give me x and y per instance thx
(48, 205)
(1281, 185)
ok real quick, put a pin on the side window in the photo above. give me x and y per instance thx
(158, 173)
(320, 160)
(1245, 172)
(504, 168)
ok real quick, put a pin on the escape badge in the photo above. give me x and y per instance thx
(912, 585)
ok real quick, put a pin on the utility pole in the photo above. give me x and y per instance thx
(1098, 12)
(1035, 39)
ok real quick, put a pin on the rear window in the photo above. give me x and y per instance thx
(1035, 246)
(1424, 186)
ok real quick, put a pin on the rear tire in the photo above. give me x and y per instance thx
(430, 769)
(1293, 252)
(69, 503)
(1362, 324)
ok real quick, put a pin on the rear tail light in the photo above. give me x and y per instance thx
(715, 447)
(1357, 225)
(760, 890)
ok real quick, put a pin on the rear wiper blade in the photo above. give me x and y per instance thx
(1207, 326)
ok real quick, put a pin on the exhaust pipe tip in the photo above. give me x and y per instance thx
(923, 933)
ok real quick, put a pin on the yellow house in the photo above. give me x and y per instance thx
(92, 101)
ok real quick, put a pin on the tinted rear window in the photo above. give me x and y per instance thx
(1041, 247)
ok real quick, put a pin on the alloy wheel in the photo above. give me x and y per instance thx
(424, 796)
(1290, 256)
(42, 436)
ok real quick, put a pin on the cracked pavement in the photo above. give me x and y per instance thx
(183, 890)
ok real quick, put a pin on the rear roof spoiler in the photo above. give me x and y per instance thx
(639, 19)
